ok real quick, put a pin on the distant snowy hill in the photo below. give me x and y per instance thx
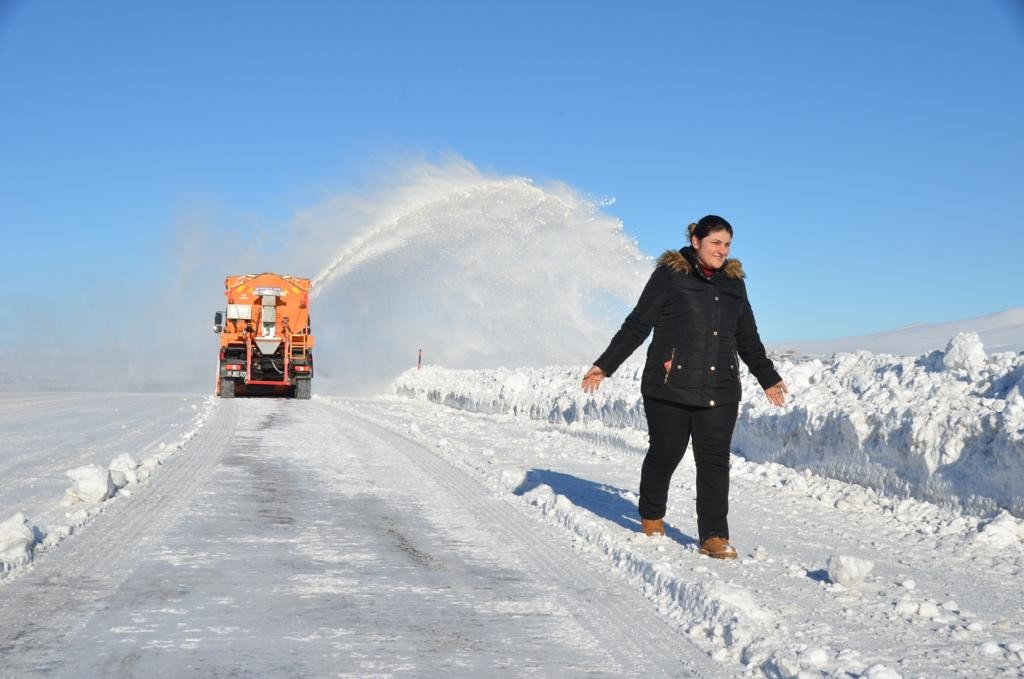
(999, 332)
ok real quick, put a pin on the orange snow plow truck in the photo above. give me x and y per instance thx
(266, 346)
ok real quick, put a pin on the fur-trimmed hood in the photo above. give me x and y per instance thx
(677, 260)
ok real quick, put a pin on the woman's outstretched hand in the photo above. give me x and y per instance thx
(592, 380)
(777, 393)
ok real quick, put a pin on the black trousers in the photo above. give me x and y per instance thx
(670, 426)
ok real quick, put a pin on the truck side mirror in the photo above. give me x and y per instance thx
(218, 322)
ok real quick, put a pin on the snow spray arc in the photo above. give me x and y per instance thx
(479, 270)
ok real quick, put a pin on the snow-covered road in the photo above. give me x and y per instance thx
(297, 539)
(398, 537)
(943, 599)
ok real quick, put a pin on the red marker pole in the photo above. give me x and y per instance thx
(419, 361)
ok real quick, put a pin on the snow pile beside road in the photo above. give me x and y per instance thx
(946, 426)
(90, 483)
(17, 540)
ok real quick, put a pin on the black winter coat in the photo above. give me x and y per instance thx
(701, 327)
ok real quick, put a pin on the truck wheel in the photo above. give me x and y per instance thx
(303, 389)
(227, 388)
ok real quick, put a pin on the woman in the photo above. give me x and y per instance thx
(696, 302)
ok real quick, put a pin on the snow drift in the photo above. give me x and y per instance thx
(945, 427)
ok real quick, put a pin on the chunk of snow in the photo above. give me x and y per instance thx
(118, 478)
(880, 671)
(17, 540)
(55, 534)
(848, 571)
(564, 504)
(1001, 532)
(122, 470)
(815, 657)
(513, 478)
(90, 483)
(124, 463)
(782, 667)
(742, 601)
(78, 517)
(516, 382)
(965, 353)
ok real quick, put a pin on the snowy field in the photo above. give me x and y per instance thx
(48, 434)
(484, 523)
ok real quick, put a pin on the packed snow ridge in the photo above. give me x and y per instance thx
(947, 427)
(91, 486)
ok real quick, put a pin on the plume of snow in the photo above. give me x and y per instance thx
(477, 270)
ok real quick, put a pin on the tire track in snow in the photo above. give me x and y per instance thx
(62, 593)
(640, 641)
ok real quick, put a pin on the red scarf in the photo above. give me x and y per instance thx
(707, 271)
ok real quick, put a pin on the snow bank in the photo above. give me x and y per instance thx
(17, 540)
(941, 427)
(946, 427)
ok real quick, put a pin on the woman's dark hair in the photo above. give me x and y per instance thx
(707, 225)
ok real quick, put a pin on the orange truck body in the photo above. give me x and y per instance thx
(266, 345)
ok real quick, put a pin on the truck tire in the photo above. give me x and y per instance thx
(303, 389)
(227, 388)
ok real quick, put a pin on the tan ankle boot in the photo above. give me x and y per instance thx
(718, 548)
(653, 526)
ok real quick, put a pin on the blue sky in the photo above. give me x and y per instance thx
(869, 154)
